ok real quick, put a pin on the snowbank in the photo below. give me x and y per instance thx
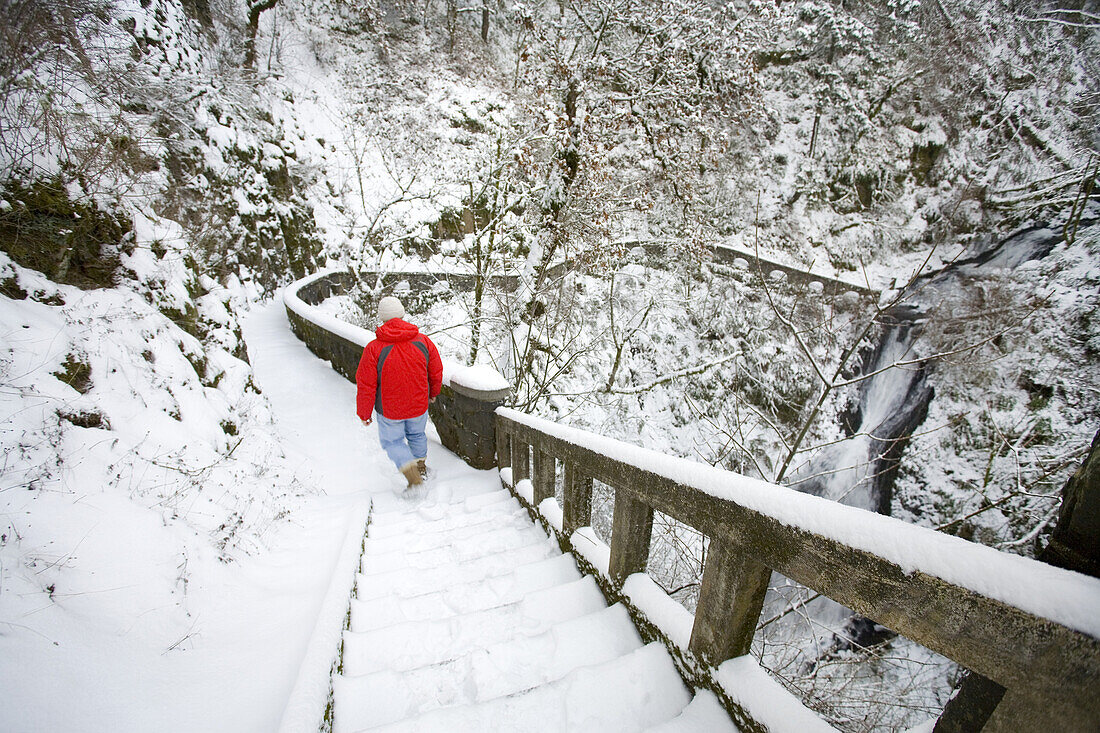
(305, 710)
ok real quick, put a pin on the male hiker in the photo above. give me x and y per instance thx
(399, 374)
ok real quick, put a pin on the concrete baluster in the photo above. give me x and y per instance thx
(504, 449)
(631, 531)
(578, 500)
(545, 475)
(521, 460)
(730, 601)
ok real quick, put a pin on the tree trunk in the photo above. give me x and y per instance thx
(1075, 542)
(452, 25)
(255, 9)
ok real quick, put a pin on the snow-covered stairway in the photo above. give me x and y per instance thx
(467, 617)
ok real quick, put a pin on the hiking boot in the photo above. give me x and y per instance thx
(411, 471)
(422, 466)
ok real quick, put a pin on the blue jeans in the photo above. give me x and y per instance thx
(403, 440)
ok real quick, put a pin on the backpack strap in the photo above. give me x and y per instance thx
(378, 385)
(423, 348)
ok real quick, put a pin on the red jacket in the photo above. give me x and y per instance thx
(407, 365)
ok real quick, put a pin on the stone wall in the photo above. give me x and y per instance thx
(466, 423)
(341, 352)
(657, 256)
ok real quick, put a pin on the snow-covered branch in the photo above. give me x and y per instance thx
(687, 372)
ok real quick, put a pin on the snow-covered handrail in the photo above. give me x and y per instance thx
(657, 251)
(1031, 627)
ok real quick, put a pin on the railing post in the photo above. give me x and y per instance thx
(504, 445)
(545, 475)
(577, 511)
(521, 460)
(730, 601)
(631, 530)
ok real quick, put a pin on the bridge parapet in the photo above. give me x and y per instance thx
(1029, 626)
(463, 414)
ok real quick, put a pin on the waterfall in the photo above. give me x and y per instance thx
(893, 402)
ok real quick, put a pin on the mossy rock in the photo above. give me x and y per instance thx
(85, 419)
(922, 158)
(68, 242)
(9, 288)
(76, 373)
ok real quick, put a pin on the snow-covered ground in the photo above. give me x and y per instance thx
(117, 647)
(144, 516)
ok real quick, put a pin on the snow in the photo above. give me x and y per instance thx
(594, 550)
(305, 707)
(670, 617)
(526, 490)
(348, 112)
(550, 509)
(480, 377)
(765, 699)
(146, 625)
(1065, 597)
(703, 713)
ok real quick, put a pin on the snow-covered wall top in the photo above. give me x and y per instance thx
(1062, 596)
(476, 381)
(311, 313)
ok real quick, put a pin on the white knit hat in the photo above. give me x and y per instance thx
(390, 307)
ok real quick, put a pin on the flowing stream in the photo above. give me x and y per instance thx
(891, 404)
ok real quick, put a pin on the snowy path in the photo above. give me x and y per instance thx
(466, 615)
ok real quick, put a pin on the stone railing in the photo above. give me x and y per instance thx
(463, 412)
(830, 287)
(657, 254)
(1031, 627)
(427, 281)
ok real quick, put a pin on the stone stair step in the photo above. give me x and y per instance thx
(398, 527)
(402, 515)
(489, 542)
(408, 582)
(420, 643)
(495, 671)
(383, 612)
(630, 693)
(476, 524)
